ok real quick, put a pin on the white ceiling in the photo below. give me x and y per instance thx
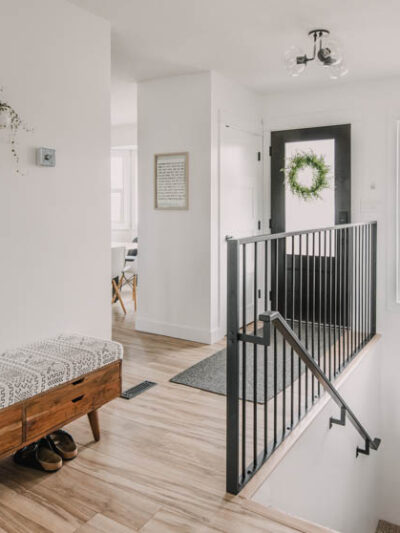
(123, 102)
(246, 39)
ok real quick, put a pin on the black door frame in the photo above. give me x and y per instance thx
(342, 135)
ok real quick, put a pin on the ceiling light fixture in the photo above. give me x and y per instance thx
(325, 50)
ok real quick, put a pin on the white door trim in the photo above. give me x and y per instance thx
(254, 128)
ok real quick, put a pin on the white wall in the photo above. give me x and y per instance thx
(372, 109)
(124, 135)
(180, 275)
(54, 222)
(320, 478)
(174, 266)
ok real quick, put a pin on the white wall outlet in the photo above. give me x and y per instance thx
(46, 157)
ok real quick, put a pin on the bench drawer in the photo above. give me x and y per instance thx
(56, 408)
(10, 428)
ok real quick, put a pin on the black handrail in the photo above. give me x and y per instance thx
(277, 320)
(276, 236)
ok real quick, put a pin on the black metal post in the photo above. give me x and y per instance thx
(232, 385)
(374, 254)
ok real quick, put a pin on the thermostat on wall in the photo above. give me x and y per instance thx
(46, 157)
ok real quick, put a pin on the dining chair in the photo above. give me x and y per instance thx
(117, 266)
(129, 277)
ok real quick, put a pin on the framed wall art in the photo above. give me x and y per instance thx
(171, 181)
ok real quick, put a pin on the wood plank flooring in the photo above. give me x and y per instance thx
(159, 466)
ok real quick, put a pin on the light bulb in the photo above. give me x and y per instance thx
(338, 71)
(290, 59)
(330, 53)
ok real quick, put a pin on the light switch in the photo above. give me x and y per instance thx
(46, 157)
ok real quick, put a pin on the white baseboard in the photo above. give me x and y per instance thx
(217, 334)
(177, 331)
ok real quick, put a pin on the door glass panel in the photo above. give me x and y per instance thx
(316, 213)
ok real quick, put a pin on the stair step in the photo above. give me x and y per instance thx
(387, 527)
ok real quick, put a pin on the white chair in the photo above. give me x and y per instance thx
(117, 266)
(129, 277)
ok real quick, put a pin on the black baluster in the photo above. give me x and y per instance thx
(330, 303)
(362, 287)
(307, 315)
(291, 349)
(244, 362)
(335, 287)
(345, 296)
(255, 360)
(325, 298)
(284, 247)
(319, 305)
(275, 345)
(359, 289)
(300, 321)
(266, 307)
(313, 315)
(340, 254)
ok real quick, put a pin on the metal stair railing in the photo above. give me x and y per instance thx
(321, 284)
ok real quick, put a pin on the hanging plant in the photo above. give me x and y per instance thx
(10, 119)
(320, 179)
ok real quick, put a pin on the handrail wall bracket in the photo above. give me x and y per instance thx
(340, 421)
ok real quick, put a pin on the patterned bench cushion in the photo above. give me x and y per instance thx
(38, 367)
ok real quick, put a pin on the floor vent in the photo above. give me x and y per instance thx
(138, 389)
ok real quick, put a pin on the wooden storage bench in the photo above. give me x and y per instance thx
(48, 384)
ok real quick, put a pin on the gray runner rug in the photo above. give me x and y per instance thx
(210, 373)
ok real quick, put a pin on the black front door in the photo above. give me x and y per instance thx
(293, 214)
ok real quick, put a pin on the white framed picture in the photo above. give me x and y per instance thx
(171, 181)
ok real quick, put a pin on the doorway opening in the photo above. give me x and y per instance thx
(242, 200)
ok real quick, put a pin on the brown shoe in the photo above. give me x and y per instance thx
(63, 444)
(40, 456)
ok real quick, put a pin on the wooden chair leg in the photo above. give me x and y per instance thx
(116, 289)
(134, 290)
(114, 297)
(94, 424)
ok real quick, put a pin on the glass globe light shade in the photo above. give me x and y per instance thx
(5, 119)
(330, 53)
(338, 71)
(290, 60)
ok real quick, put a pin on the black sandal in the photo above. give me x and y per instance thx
(39, 455)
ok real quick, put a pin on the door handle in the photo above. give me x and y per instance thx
(228, 237)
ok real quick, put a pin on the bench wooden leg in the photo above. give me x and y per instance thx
(94, 424)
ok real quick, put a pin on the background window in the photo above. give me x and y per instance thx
(121, 186)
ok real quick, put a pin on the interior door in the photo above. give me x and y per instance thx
(290, 213)
(242, 195)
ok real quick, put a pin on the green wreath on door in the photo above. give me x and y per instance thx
(320, 180)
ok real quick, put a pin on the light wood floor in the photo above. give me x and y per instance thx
(160, 464)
